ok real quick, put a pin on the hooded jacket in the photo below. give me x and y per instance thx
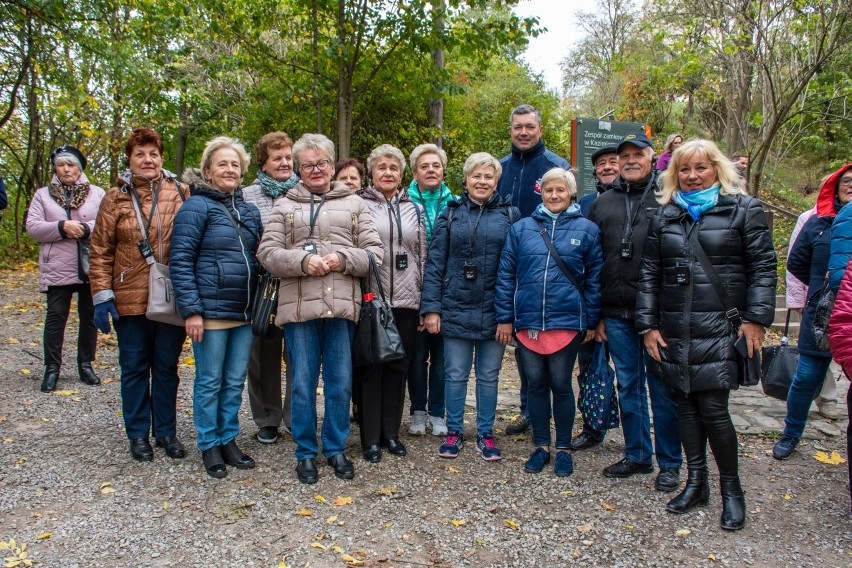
(691, 317)
(466, 234)
(213, 270)
(520, 182)
(344, 225)
(117, 269)
(402, 286)
(841, 235)
(840, 323)
(809, 257)
(610, 213)
(57, 257)
(532, 291)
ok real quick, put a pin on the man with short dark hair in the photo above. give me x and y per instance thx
(521, 184)
(624, 215)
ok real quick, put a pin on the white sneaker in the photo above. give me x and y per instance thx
(418, 423)
(438, 425)
(828, 409)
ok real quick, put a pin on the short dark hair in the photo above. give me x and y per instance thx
(739, 154)
(142, 137)
(350, 163)
(525, 109)
(272, 141)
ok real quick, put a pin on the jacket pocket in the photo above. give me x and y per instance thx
(220, 274)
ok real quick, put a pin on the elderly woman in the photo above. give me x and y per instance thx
(351, 172)
(808, 261)
(673, 142)
(317, 241)
(61, 218)
(553, 304)
(148, 351)
(426, 376)
(458, 299)
(683, 318)
(214, 272)
(274, 155)
(403, 234)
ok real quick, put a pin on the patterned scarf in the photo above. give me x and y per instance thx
(273, 188)
(78, 192)
(697, 202)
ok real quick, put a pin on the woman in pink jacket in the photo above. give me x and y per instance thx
(61, 217)
(840, 340)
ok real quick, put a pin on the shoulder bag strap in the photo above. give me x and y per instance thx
(555, 255)
(234, 223)
(731, 311)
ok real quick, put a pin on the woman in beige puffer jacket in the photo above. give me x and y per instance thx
(316, 241)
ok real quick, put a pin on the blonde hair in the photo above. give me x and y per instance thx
(558, 174)
(670, 140)
(427, 149)
(725, 172)
(481, 159)
(217, 144)
(385, 151)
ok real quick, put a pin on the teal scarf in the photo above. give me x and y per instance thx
(545, 211)
(697, 202)
(273, 188)
(433, 203)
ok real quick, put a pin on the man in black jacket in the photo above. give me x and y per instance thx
(624, 215)
(605, 163)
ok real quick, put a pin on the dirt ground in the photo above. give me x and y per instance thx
(70, 491)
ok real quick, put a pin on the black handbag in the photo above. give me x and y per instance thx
(824, 307)
(377, 339)
(265, 305)
(748, 368)
(779, 365)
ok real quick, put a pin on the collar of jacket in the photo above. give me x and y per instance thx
(373, 194)
(601, 187)
(301, 194)
(627, 187)
(527, 154)
(442, 193)
(496, 200)
(564, 216)
(725, 203)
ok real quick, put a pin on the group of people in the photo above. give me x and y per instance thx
(513, 259)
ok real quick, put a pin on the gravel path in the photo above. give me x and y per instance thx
(69, 489)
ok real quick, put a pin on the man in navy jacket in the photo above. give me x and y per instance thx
(520, 184)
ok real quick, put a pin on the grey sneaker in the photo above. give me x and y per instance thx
(438, 425)
(418, 423)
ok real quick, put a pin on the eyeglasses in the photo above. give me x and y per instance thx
(845, 181)
(322, 165)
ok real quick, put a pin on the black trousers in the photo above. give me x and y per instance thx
(703, 417)
(264, 381)
(58, 308)
(382, 387)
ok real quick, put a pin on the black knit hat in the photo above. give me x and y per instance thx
(71, 151)
(603, 152)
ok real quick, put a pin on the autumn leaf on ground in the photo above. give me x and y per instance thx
(586, 528)
(566, 492)
(233, 512)
(458, 522)
(511, 524)
(2, 419)
(452, 469)
(712, 558)
(683, 532)
(108, 490)
(608, 507)
(319, 546)
(351, 560)
(26, 372)
(321, 499)
(189, 361)
(341, 501)
(788, 497)
(337, 548)
(304, 512)
(833, 459)
(44, 535)
(331, 520)
(387, 491)
(12, 341)
(166, 506)
(109, 380)
(66, 392)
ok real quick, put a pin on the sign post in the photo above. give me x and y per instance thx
(590, 134)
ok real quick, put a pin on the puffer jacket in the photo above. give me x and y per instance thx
(840, 323)
(609, 211)
(213, 271)
(57, 257)
(254, 194)
(402, 286)
(520, 182)
(533, 292)
(344, 225)
(797, 291)
(117, 269)
(691, 317)
(808, 261)
(841, 236)
(466, 233)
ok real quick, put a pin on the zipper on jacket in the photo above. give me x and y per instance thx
(123, 272)
(392, 258)
(245, 258)
(687, 316)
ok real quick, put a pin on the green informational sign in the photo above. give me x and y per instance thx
(587, 136)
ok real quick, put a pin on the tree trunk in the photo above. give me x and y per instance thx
(436, 105)
(315, 56)
(183, 134)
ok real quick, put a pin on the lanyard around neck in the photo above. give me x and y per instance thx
(314, 215)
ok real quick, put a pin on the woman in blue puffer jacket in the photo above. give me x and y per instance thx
(214, 272)
(550, 312)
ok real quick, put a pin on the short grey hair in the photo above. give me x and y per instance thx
(316, 142)
(427, 149)
(219, 143)
(482, 159)
(525, 109)
(558, 174)
(382, 151)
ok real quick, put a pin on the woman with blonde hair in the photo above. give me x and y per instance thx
(708, 234)
(673, 142)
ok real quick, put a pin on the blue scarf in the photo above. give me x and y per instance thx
(697, 202)
(545, 211)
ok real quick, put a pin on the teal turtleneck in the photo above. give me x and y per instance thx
(433, 203)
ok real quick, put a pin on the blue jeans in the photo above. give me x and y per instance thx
(148, 354)
(221, 364)
(807, 382)
(326, 342)
(630, 359)
(426, 375)
(546, 374)
(458, 358)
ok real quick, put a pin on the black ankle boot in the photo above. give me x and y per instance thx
(733, 505)
(87, 374)
(695, 494)
(51, 376)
